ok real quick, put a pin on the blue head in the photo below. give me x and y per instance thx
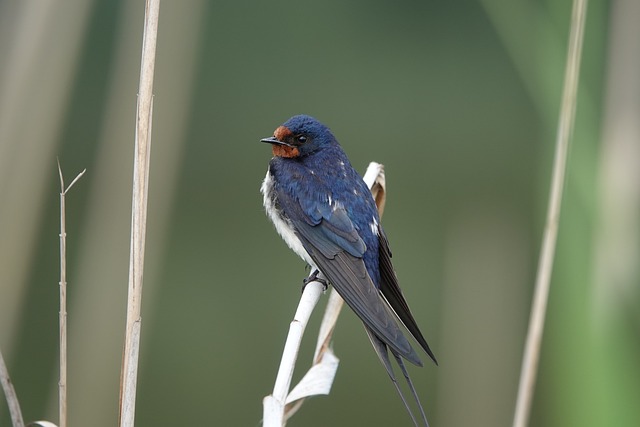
(300, 136)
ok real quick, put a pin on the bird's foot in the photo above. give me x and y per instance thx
(313, 277)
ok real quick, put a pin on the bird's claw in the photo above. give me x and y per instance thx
(313, 277)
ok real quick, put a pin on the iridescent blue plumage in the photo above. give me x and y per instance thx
(325, 212)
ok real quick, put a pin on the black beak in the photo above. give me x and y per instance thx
(276, 141)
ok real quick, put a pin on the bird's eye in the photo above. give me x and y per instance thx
(302, 139)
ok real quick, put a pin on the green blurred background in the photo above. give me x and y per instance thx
(459, 101)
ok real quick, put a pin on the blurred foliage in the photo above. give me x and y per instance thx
(459, 101)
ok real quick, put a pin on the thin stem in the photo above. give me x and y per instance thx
(62, 382)
(10, 394)
(144, 112)
(545, 266)
(308, 301)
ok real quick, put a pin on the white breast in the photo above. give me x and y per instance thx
(283, 225)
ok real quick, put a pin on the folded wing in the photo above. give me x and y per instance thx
(331, 240)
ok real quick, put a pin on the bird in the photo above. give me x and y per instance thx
(326, 214)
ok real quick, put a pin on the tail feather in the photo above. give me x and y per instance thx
(382, 351)
(411, 387)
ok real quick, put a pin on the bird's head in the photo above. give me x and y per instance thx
(300, 136)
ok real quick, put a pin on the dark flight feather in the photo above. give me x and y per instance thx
(346, 270)
(393, 294)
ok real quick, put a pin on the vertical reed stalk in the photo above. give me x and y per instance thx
(62, 382)
(545, 264)
(144, 112)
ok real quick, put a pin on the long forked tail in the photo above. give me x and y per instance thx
(382, 351)
(413, 390)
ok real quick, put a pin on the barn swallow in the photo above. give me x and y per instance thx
(326, 214)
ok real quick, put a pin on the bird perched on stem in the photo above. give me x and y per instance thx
(325, 212)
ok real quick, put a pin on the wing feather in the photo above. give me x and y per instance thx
(349, 277)
(393, 294)
(335, 246)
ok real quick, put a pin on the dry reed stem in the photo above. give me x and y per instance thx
(10, 395)
(144, 112)
(62, 382)
(543, 278)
